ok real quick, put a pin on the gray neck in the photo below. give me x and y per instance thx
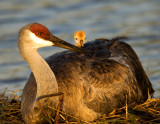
(45, 78)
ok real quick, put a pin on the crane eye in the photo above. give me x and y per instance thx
(38, 34)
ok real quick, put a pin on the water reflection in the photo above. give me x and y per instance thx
(136, 19)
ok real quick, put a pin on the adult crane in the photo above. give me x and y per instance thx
(93, 84)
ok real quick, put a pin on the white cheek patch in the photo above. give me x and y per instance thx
(39, 41)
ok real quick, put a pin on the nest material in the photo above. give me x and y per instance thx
(148, 112)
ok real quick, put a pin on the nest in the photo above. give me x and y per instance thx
(148, 112)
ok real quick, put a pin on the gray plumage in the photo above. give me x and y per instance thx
(93, 84)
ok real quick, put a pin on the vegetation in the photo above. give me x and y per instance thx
(10, 108)
(148, 112)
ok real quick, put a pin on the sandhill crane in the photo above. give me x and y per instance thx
(79, 37)
(93, 84)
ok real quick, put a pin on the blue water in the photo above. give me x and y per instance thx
(137, 19)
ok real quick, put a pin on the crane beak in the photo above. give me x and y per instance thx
(63, 44)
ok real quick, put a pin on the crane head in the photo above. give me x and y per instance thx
(40, 36)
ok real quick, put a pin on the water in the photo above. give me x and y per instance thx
(137, 19)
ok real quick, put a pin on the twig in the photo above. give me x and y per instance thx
(40, 106)
(69, 115)
(63, 118)
(126, 109)
(57, 119)
(50, 95)
(59, 108)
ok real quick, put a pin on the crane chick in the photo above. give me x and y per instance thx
(79, 37)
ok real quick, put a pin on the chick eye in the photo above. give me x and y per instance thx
(75, 38)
